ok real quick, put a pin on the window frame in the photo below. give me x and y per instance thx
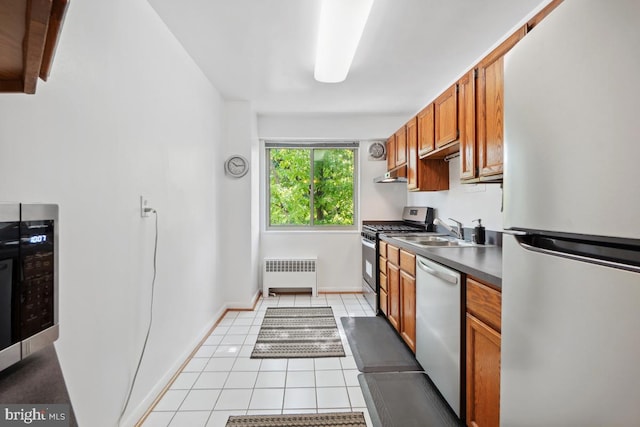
(311, 227)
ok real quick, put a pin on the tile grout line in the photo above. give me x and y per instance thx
(184, 364)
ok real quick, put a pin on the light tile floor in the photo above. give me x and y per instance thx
(221, 379)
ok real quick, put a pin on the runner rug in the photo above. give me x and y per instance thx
(298, 332)
(333, 419)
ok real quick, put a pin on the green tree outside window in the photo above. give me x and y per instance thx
(311, 186)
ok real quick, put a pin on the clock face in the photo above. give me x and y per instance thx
(236, 166)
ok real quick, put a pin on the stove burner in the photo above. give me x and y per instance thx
(400, 227)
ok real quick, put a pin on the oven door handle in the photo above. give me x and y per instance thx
(368, 244)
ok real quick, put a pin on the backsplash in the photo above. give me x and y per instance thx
(464, 202)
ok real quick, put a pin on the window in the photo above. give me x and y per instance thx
(312, 185)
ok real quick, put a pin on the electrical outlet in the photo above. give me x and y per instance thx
(143, 204)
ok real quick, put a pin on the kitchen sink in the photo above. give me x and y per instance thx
(437, 241)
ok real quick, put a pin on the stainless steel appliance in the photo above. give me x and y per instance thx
(571, 274)
(414, 219)
(28, 280)
(438, 326)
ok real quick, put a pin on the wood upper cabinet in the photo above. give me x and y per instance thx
(490, 108)
(446, 117)
(426, 132)
(533, 22)
(467, 125)
(29, 32)
(423, 174)
(483, 354)
(412, 154)
(391, 152)
(401, 146)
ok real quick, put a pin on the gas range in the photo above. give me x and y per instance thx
(414, 219)
(371, 229)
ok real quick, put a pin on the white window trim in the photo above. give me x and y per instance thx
(354, 145)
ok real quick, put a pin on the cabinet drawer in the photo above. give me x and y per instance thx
(382, 265)
(393, 255)
(383, 281)
(383, 249)
(383, 301)
(408, 262)
(484, 302)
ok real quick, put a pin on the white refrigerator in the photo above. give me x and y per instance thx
(571, 275)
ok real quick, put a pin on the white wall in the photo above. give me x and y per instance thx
(464, 202)
(339, 253)
(126, 112)
(239, 198)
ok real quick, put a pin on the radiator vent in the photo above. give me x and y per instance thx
(289, 273)
(290, 265)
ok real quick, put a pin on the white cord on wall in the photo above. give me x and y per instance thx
(146, 338)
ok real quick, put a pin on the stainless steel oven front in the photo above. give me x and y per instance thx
(369, 270)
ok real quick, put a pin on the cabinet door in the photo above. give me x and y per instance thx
(490, 108)
(412, 154)
(408, 309)
(401, 146)
(467, 125)
(483, 374)
(393, 290)
(446, 117)
(426, 135)
(391, 152)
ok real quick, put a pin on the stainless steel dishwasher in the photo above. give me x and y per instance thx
(438, 327)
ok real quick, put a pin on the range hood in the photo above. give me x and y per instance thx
(396, 175)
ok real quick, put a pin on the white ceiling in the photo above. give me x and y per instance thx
(263, 51)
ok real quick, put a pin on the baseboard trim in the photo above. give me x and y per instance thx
(169, 378)
(145, 407)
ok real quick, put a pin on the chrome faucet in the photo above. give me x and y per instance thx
(457, 231)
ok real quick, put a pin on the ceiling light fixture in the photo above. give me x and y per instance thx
(341, 25)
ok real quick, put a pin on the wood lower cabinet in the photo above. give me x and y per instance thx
(483, 325)
(382, 272)
(401, 292)
(408, 309)
(393, 289)
(384, 295)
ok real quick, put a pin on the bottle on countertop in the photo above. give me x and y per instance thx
(478, 233)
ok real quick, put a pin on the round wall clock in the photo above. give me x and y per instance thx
(236, 166)
(377, 151)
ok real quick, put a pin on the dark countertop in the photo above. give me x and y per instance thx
(484, 263)
(36, 379)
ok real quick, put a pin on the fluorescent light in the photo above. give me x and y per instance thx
(341, 26)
